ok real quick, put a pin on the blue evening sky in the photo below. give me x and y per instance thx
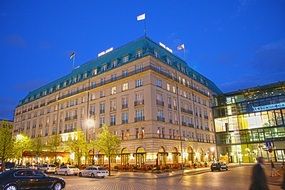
(237, 44)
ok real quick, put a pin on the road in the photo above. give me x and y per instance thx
(234, 179)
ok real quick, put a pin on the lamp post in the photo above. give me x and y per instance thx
(89, 123)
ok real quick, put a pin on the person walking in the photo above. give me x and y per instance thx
(258, 177)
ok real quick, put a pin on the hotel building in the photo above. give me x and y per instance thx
(151, 99)
(251, 123)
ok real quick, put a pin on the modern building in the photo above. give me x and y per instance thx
(150, 98)
(250, 123)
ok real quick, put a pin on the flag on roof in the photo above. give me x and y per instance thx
(181, 47)
(72, 55)
(141, 17)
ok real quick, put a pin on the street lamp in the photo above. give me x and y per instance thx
(90, 123)
(212, 149)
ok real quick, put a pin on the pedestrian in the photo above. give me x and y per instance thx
(274, 171)
(258, 177)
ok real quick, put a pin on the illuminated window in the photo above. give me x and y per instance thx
(125, 86)
(168, 87)
(125, 59)
(113, 90)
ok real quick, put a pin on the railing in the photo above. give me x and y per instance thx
(70, 118)
(102, 111)
(159, 102)
(139, 102)
(139, 119)
(186, 111)
(124, 106)
(169, 106)
(124, 121)
(159, 118)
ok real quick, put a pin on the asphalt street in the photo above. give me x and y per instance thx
(235, 179)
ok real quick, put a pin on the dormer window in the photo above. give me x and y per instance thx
(156, 54)
(168, 61)
(125, 59)
(94, 72)
(114, 63)
(85, 75)
(139, 53)
(104, 68)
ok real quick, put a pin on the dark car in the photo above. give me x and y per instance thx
(17, 179)
(218, 166)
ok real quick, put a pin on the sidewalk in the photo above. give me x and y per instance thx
(151, 175)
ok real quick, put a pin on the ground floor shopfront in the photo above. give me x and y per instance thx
(140, 154)
(158, 152)
(247, 153)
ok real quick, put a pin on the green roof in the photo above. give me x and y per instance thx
(145, 44)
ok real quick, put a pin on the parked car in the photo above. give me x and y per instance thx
(48, 168)
(218, 166)
(94, 171)
(67, 170)
(17, 179)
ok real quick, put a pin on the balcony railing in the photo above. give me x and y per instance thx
(159, 102)
(70, 118)
(159, 118)
(124, 121)
(186, 111)
(190, 125)
(184, 123)
(112, 123)
(139, 118)
(139, 102)
(125, 106)
(169, 106)
(68, 130)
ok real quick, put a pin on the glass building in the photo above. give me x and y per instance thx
(250, 123)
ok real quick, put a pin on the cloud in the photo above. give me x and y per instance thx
(16, 41)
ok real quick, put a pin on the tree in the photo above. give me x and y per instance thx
(37, 147)
(108, 143)
(78, 145)
(54, 143)
(6, 142)
(21, 144)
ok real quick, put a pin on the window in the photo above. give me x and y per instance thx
(125, 86)
(102, 121)
(124, 102)
(168, 61)
(158, 83)
(102, 81)
(139, 114)
(113, 120)
(113, 90)
(139, 53)
(125, 117)
(139, 68)
(173, 89)
(102, 107)
(102, 94)
(138, 83)
(125, 59)
(156, 54)
(104, 68)
(92, 96)
(142, 133)
(113, 105)
(113, 77)
(114, 63)
(168, 87)
(92, 109)
(125, 73)
(94, 72)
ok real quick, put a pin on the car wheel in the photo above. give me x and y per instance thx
(80, 174)
(11, 187)
(57, 186)
(65, 173)
(92, 175)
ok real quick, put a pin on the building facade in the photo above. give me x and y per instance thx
(250, 123)
(158, 106)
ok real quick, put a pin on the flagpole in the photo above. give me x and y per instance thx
(144, 27)
(73, 59)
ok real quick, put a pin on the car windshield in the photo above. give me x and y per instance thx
(101, 168)
(71, 166)
(52, 165)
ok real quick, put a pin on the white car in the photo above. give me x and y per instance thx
(48, 168)
(94, 171)
(67, 170)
